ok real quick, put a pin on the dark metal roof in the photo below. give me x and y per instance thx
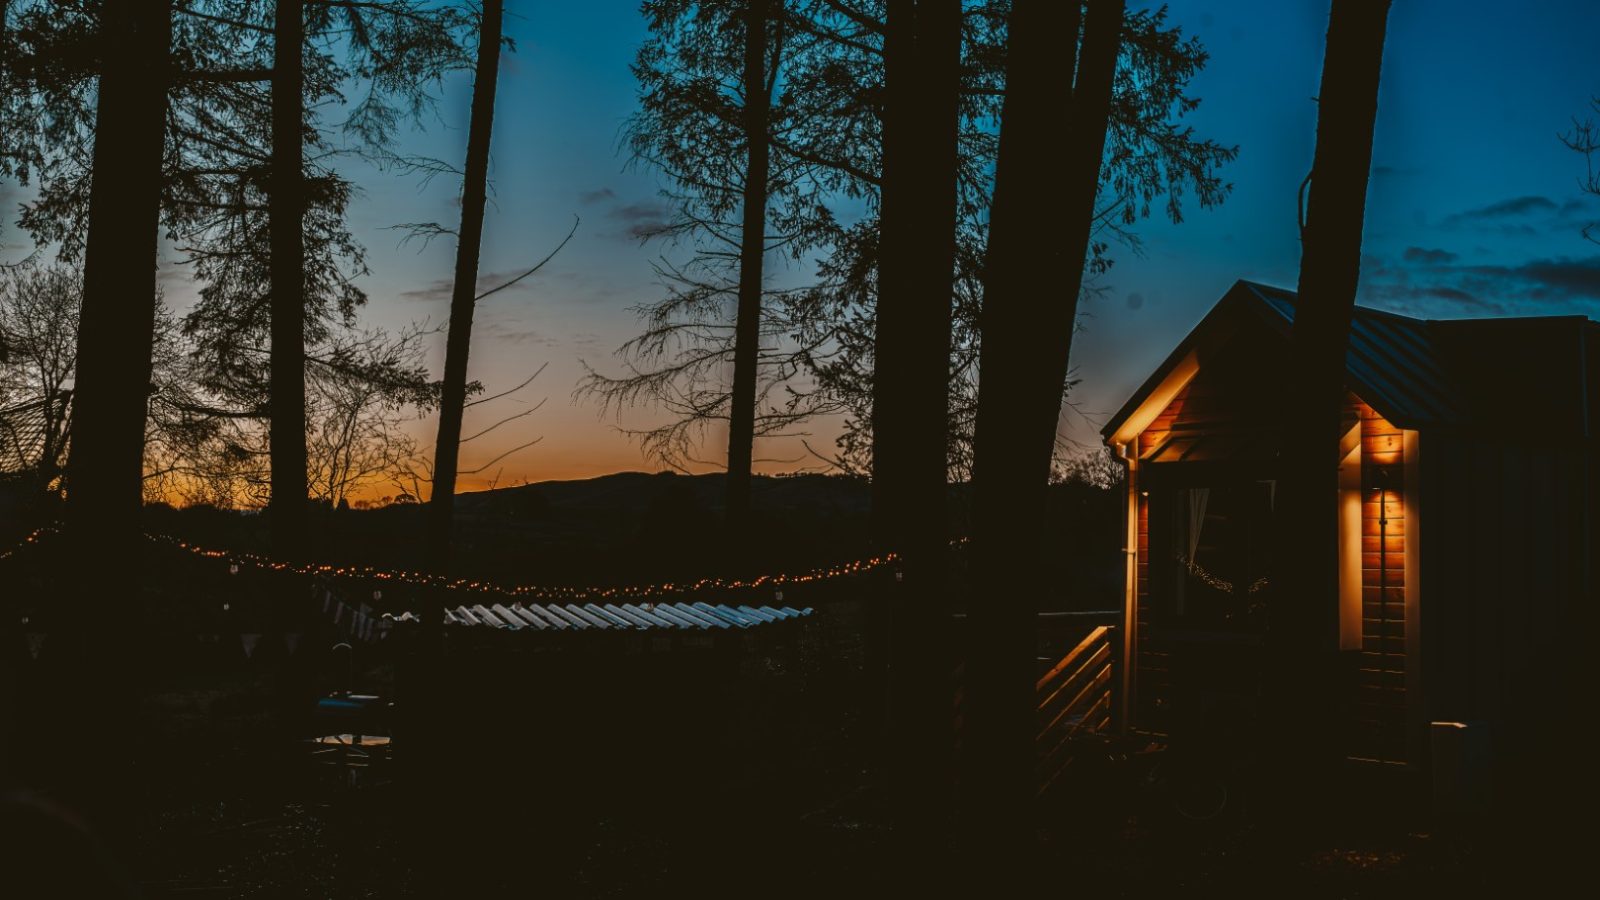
(680, 616)
(1421, 372)
(1393, 360)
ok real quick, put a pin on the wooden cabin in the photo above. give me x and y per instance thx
(1467, 522)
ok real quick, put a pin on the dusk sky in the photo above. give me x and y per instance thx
(1474, 206)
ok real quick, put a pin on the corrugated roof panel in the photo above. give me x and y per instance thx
(648, 616)
(488, 617)
(680, 616)
(589, 618)
(532, 620)
(727, 615)
(601, 612)
(556, 613)
(635, 620)
(512, 620)
(695, 614)
(555, 621)
(677, 618)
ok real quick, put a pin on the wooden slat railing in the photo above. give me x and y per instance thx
(1075, 693)
(1074, 700)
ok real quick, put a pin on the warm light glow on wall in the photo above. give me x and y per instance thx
(1350, 587)
(1159, 399)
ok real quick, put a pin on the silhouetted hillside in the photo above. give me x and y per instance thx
(635, 527)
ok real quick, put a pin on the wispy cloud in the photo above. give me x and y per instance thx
(1428, 300)
(1505, 209)
(639, 220)
(1429, 256)
(522, 337)
(1443, 287)
(599, 195)
(1552, 279)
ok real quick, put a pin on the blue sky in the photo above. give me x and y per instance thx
(1473, 209)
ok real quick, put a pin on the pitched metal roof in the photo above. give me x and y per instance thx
(556, 617)
(1419, 372)
(1393, 360)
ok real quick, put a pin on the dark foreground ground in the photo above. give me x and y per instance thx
(779, 806)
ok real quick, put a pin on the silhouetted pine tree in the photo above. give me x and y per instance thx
(757, 82)
(463, 298)
(721, 121)
(116, 330)
(286, 238)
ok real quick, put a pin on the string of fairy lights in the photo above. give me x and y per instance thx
(1217, 582)
(535, 592)
(238, 560)
(33, 538)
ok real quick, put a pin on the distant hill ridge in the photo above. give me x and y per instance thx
(625, 492)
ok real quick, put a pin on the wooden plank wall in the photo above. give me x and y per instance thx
(1152, 683)
(1151, 679)
(1378, 694)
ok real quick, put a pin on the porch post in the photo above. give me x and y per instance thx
(1130, 590)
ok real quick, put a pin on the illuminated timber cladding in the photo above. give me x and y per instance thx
(1467, 523)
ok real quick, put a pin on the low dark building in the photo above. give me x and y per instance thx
(1467, 521)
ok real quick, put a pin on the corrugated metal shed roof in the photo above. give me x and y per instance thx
(556, 617)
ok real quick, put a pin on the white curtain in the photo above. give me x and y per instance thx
(1198, 497)
(1188, 520)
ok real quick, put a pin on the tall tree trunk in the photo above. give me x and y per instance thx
(286, 241)
(463, 298)
(752, 248)
(1303, 619)
(116, 332)
(5, 75)
(1032, 279)
(427, 699)
(916, 267)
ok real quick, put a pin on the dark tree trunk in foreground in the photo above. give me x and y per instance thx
(428, 700)
(115, 339)
(474, 196)
(1048, 171)
(915, 275)
(753, 245)
(1304, 616)
(286, 240)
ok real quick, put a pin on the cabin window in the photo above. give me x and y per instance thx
(1210, 552)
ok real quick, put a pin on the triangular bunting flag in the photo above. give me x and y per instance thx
(249, 641)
